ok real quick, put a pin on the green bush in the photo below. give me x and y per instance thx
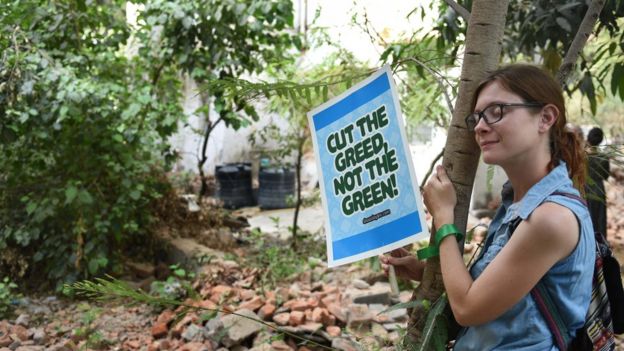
(7, 294)
(81, 137)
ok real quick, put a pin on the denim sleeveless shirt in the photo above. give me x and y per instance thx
(569, 281)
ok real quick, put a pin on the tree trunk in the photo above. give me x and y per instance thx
(295, 244)
(461, 154)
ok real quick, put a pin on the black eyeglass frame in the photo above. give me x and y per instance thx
(480, 115)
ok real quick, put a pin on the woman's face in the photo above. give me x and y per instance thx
(515, 136)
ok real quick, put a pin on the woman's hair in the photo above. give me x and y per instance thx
(533, 84)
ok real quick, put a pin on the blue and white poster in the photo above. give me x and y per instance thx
(369, 189)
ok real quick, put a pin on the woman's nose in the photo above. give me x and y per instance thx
(481, 126)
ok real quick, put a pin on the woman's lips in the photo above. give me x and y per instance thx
(487, 144)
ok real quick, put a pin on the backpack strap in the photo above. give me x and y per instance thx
(545, 303)
(549, 311)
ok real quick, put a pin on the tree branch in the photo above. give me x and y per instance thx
(438, 78)
(465, 14)
(580, 39)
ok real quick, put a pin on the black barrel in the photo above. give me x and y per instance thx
(234, 184)
(275, 186)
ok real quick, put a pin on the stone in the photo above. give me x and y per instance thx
(23, 320)
(14, 345)
(400, 314)
(310, 327)
(39, 336)
(194, 333)
(141, 270)
(179, 327)
(394, 326)
(373, 298)
(239, 328)
(360, 284)
(261, 347)
(343, 344)
(379, 331)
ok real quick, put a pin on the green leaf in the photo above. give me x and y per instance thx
(135, 195)
(435, 333)
(408, 304)
(94, 266)
(31, 207)
(85, 198)
(70, 194)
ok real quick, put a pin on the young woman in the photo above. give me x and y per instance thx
(519, 123)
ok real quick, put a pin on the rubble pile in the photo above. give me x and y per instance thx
(319, 312)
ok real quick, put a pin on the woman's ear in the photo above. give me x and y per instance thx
(548, 117)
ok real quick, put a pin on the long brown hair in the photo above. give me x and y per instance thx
(533, 84)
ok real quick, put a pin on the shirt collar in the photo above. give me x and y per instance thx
(554, 180)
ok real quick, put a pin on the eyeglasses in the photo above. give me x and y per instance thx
(494, 113)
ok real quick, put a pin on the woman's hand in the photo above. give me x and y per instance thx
(440, 198)
(406, 265)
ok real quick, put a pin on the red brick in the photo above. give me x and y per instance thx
(195, 346)
(132, 344)
(329, 299)
(279, 345)
(296, 318)
(308, 314)
(246, 294)
(220, 293)
(253, 304)
(281, 318)
(300, 305)
(266, 312)
(333, 331)
(338, 312)
(20, 332)
(159, 330)
(165, 317)
(317, 314)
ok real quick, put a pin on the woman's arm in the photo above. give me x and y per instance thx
(549, 235)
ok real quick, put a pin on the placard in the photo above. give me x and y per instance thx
(370, 194)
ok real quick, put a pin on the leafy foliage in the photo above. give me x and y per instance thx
(81, 135)
(7, 294)
(545, 30)
(88, 102)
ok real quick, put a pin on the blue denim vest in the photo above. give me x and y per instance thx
(569, 281)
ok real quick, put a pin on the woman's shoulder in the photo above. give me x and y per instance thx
(554, 225)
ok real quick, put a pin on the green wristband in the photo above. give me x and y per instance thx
(446, 230)
(427, 252)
